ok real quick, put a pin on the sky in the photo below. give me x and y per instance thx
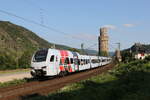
(79, 21)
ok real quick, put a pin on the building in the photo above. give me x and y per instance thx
(141, 55)
(103, 42)
(141, 50)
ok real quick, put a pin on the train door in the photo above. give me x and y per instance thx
(52, 65)
(90, 62)
(76, 66)
(57, 61)
(75, 61)
(67, 65)
(72, 64)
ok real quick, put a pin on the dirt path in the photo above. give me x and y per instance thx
(12, 76)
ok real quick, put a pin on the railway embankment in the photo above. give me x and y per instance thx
(32, 88)
(125, 82)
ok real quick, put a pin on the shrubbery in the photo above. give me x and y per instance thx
(25, 59)
(14, 82)
(9, 61)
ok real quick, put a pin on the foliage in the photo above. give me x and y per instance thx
(74, 50)
(147, 58)
(25, 59)
(125, 82)
(6, 61)
(127, 56)
(11, 83)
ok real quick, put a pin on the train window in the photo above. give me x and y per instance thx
(41, 55)
(67, 61)
(56, 59)
(95, 61)
(71, 60)
(52, 58)
(86, 61)
(78, 61)
(104, 60)
(82, 62)
(60, 61)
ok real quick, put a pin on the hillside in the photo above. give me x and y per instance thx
(16, 37)
(139, 48)
(17, 45)
(129, 54)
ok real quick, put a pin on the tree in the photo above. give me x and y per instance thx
(7, 61)
(127, 56)
(25, 59)
(74, 50)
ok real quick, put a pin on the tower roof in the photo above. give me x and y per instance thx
(103, 30)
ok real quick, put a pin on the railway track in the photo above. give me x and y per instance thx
(44, 87)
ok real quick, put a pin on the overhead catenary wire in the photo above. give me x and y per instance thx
(45, 26)
(41, 10)
(91, 46)
(41, 25)
(96, 44)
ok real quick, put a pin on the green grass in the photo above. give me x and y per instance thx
(125, 82)
(12, 83)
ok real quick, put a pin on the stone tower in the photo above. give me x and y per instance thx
(103, 42)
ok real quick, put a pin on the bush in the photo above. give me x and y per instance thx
(147, 58)
(25, 59)
(14, 82)
(7, 62)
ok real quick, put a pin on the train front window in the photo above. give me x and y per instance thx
(52, 58)
(40, 55)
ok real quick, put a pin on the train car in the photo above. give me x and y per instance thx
(52, 62)
(84, 62)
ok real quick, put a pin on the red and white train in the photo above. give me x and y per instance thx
(52, 62)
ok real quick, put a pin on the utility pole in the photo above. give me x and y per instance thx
(119, 45)
(82, 48)
(118, 53)
(41, 16)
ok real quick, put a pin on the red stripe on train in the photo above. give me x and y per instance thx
(62, 68)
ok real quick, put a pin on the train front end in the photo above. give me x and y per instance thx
(39, 63)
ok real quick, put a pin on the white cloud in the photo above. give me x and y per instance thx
(113, 27)
(129, 25)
